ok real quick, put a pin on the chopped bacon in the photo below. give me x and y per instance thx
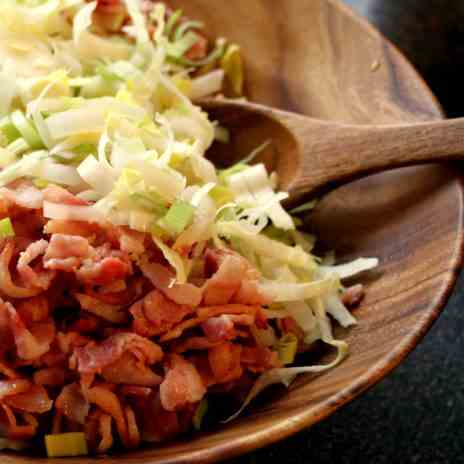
(65, 252)
(224, 360)
(28, 346)
(221, 287)
(34, 400)
(136, 390)
(110, 6)
(249, 293)
(6, 370)
(15, 431)
(352, 296)
(36, 277)
(108, 402)
(24, 195)
(68, 341)
(164, 279)
(104, 428)
(86, 324)
(50, 376)
(259, 359)
(13, 387)
(201, 363)
(131, 241)
(72, 403)
(219, 328)
(156, 314)
(35, 309)
(7, 286)
(158, 423)
(132, 428)
(6, 335)
(199, 49)
(111, 313)
(182, 384)
(134, 288)
(103, 272)
(55, 194)
(27, 224)
(194, 343)
(204, 314)
(93, 358)
(128, 370)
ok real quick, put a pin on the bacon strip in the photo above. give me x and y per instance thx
(13, 387)
(109, 403)
(206, 313)
(93, 358)
(72, 403)
(28, 346)
(112, 313)
(127, 370)
(65, 252)
(36, 278)
(7, 287)
(182, 385)
(220, 288)
(164, 279)
(106, 434)
(56, 194)
(34, 400)
(224, 360)
(156, 314)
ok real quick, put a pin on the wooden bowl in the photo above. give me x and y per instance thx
(316, 57)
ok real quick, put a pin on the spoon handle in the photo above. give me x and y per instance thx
(336, 153)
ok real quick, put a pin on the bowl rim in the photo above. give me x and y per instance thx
(285, 427)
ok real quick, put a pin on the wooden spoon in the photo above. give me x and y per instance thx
(315, 155)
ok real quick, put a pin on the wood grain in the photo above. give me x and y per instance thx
(313, 156)
(315, 57)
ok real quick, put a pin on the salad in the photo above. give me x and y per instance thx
(137, 281)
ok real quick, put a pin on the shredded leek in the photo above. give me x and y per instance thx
(200, 414)
(287, 348)
(178, 217)
(9, 129)
(66, 445)
(171, 22)
(232, 65)
(26, 128)
(6, 228)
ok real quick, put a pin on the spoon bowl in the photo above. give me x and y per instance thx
(312, 156)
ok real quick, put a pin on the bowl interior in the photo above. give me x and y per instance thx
(315, 57)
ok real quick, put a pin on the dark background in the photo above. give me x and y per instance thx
(415, 415)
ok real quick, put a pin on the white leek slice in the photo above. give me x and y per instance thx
(293, 256)
(280, 292)
(82, 21)
(206, 85)
(253, 187)
(72, 212)
(343, 271)
(96, 175)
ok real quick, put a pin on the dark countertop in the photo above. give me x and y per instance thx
(416, 414)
